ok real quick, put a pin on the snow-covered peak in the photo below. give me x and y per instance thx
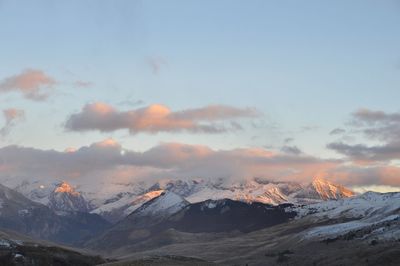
(147, 196)
(359, 206)
(328, 190)
(64, 198)
(64, 187)
(138, 201)
(167, 203)
(8, 195)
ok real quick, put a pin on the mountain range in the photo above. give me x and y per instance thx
(207, 221)
(62, 196)
(361, 230)
(199, 190)
(20, 214)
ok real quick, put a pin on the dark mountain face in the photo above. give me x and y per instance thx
(25, 216)
(78, 227)
(228, 215)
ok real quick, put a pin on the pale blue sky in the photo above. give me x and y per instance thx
(301, 63)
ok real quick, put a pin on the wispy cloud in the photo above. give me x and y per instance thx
(82, 84)
(11, 117)
(291, 149)
(33, 84)
(337, 131)
(156, 63)
(158, 118)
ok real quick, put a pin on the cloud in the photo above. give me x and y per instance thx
(11, 116)
(309, 128)
(375, 126)
(380, 128)
(363, 153)
(288, 140)
(107, 163)
(31, 83)
(291, 149)
(173, 160)
(157, 118)
(156, 63)
(364, 176)
(82, 84)
(337, 131)
(372, 117)
(132, 103)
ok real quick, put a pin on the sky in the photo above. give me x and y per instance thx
(283, 90)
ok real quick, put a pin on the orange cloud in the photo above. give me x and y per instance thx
(157, 118)
(32, 83)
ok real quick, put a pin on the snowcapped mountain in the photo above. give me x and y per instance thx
(360, 230)
(167, 203)
(325, 190)
(59, 196)
(368, 215)
(141, 222)
(362, 206)
(255, 190)
(121, 199)
(37, 220)
(198, 190)
(170, 211)
(64, 198)
(125, 203)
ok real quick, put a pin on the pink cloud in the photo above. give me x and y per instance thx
(31, 83)
(156, 118)
(105, 159)
(11, 116)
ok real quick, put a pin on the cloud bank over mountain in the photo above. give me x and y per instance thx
(108, 160)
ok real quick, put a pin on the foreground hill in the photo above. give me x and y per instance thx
(16, 249)
(162, 261)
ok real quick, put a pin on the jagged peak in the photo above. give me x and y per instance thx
(170, 197)
(320, 180)
(65, 198)
(148, 196)
(329, 190)
(64, 187)
(165, 202)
